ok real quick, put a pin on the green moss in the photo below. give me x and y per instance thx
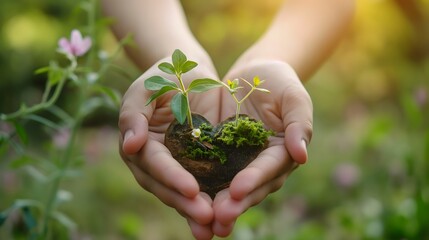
(244, 132)
(200, 152)
(202, 147)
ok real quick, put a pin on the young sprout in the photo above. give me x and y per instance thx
(180, 102)
(233, 87)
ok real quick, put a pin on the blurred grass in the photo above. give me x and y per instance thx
(367, 174)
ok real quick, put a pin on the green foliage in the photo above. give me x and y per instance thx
(155, 83)
(204, 84)
(198, 151)
(180, 103)
(203, 148)
(180, 107)
(244, 132)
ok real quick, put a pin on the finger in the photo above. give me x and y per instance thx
(271, 163)
(297, 136)
(221, 230)
(297, 115)
(134, 131)
(156, 161)
(197, 208)
(133, 118)
(199, 231)
(227, 210)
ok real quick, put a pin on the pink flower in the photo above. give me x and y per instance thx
(77, 46)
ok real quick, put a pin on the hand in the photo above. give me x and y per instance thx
(286, 110)
(142, 147)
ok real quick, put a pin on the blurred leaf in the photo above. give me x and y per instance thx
(20, 162)
(91, 105)
(159, 93)
(60, 113)
(155, 83)
(113, 94)
(22, 134)
(179, 107)
(167, 68)
(179, 59)
(29, 219)
(55, 73)
(36, 174)
(43, 121)
(19, 204)
(42, 70)
(188, 66)
(64, 220)
(204, 84)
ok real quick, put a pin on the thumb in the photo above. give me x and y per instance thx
(297, 137)
(133, 127)
(133, 118)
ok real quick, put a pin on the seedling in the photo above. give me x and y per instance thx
(180, 102)
(212, 154)
(233, 87)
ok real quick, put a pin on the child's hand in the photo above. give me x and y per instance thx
(286, 110)
(142, 148)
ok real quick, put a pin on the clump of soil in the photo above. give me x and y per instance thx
(220, 152)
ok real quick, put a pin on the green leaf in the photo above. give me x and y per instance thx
(20, 162)
(159, 93)
(43, 121)
(204, 84)
(113, 94)
(55, 74)
(167, 68)
(64, 220)
(179, 107)
(42, 70)
(29, 219)
(21, 132)
(155, 83)
(179, 59)
(188, 66)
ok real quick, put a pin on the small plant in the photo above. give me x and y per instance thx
(214, 155)
(180, 101)
(233, 87)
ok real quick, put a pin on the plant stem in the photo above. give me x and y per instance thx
(40, 106)
(239, 102)
(49, 207)
(65, 162)
(185, 93)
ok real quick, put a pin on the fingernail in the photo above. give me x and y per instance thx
(304, 144)
(128, 135)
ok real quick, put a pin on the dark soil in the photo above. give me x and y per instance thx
(211, 174)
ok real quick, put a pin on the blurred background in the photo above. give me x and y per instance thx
(368, 173)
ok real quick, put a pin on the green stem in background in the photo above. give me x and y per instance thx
(44, 104)
(65, 160)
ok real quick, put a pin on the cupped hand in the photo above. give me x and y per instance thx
(287, 110)
(142, 147)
